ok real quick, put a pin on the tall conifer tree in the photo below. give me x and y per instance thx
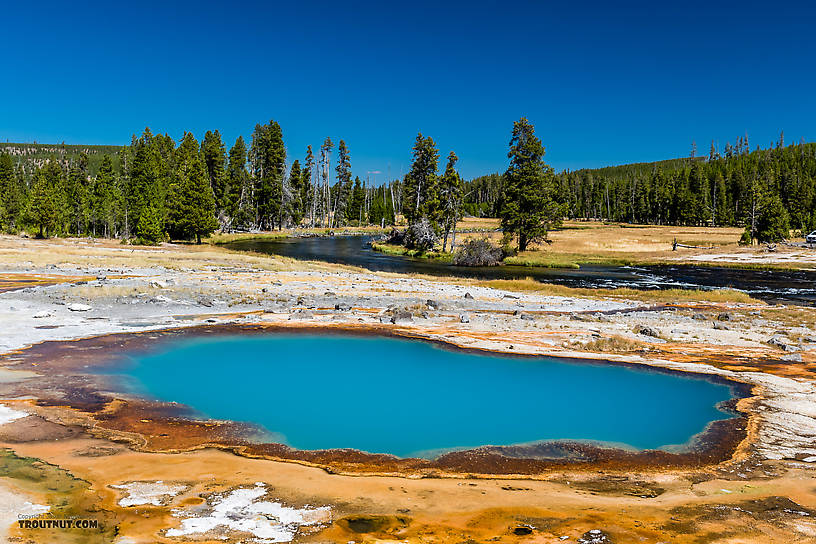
(43, 207)
(191, 204)
(238, 201)
(11, 195)
(421, 192)
(104, 198)
(343, 187)
(530, 208)
(296, 204)
(268, 157)
(214, 153)
(450, 196)
(306, 189)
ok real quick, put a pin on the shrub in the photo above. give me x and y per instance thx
(395, 237)
(479, 252)
(421, 235)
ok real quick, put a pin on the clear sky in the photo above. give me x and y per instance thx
(603, 82)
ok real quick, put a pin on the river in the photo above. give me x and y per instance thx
(787, 286)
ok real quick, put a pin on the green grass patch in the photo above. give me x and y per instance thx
(565, 260)
(393, 249)
(543, 261)
(68, 497)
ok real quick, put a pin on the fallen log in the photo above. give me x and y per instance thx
(676, 244)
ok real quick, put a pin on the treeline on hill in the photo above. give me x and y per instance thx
(154, 189)
(767, 191)
(29, 157)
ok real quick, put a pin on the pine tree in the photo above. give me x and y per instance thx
(772, 224)
(530, 208)
(150, 227)
(57, 183)
(343, 187)
(450, 193)
(191, 204)
(720, 207)
(307, 196)
(755, 197)
(77, 195)
(325, 162)
(268, 159)
(43, 207)
(296, 205)
(382, 207)
(146, 185)
(354, 211)
(238, 196)
(698, 196)
(421, 191)
(104, 198)
(214, 153)
(11, 195)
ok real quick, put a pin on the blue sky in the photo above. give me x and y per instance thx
(603, 82)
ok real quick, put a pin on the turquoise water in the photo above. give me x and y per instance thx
(409, 398)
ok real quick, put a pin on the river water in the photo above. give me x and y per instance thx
(796, 287)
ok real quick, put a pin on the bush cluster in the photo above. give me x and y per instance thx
(478, 252)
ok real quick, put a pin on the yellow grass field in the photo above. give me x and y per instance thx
(585, 242)
(578, 243)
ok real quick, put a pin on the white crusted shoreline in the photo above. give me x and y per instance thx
(158, 298)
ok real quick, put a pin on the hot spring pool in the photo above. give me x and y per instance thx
(413, 398)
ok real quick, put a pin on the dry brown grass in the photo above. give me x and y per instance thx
(599, 238)
(791, 316)
(636, 242)
(590, 242)
(112, 255)
(480, 223)
(614, 344)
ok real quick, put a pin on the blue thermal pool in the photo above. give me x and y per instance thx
(414, 398)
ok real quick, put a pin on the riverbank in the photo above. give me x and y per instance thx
(124, 289)
(582, 243)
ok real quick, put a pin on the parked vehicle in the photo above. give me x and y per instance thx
(811, 238)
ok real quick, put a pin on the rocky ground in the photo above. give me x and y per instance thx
(69, 289)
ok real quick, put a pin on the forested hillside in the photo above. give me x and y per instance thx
(767, 191)
(155, 188)
(30, 157)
